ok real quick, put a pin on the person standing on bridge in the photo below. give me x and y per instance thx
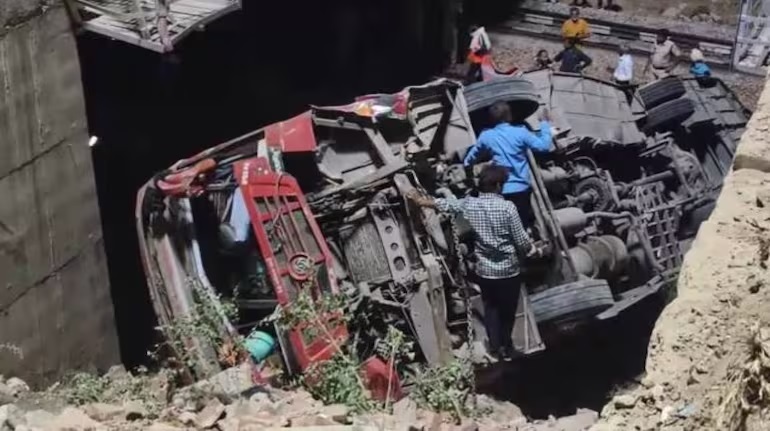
(665, 56)
(608, 6)
(698, 67)
(500, 242)
(479, 48)
(506, 144)
(543, 60)
(623, 73)
(572, 58)
(575, 28)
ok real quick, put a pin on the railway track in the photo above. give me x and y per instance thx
(610, 35)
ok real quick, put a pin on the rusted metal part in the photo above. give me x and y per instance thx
(421, 313)
(526, 334)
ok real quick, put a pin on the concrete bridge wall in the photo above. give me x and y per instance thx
(56, 311)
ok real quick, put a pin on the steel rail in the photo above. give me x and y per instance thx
(628, 29)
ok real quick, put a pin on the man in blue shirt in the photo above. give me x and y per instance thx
(507, 144)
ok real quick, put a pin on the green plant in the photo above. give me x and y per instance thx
(204, 322)
(338, 381)
(83, 388)
(444, 388)
(395, 347)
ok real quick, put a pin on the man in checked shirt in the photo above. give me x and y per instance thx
(500, 240)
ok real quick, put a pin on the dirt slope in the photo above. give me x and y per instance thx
(700, 345)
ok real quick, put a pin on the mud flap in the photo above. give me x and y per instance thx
(428, 319)
(526, 335)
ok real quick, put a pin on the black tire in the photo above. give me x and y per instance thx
(669, 115)
(572, 301)
(522, 92)
(659, 92)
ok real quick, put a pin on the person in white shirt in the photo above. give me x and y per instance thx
(480, 47)
(480, 43)
(624, 71)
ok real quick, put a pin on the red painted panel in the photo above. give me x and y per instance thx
(281, 201)
(295, 135)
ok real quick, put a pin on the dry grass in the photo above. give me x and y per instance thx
(748, 388)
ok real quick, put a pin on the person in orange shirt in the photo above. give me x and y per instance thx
(575, 27)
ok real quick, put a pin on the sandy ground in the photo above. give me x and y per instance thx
(520, 51)
(700, 343)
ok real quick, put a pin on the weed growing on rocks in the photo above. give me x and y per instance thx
(338, 381)
(444, 388)
(748, 390)
(204, 322)
(84, 388)
(115, 388)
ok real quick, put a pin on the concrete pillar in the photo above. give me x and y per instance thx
(56, 310)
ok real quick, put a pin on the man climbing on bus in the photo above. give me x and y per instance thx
(501, 243)
(506, 144)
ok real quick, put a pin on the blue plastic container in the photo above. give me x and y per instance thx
(260, 345)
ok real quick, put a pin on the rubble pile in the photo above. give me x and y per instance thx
(707, 363)
(226, 404)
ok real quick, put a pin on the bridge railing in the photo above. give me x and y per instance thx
(154, 24)
(752, 38)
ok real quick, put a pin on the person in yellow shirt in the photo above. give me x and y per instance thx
(575, 27)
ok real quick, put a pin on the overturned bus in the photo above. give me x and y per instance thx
(317, 203)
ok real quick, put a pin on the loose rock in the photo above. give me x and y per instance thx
(187, 418)
(337, 412)
(103, 412)
(210, 414)
(72, 419)
(17, 386)
(625, 401)
(37, 419)
(311, 421)
(11, 416)
(666, 414)
(159, 426)
(134, 410)
(405, 410)
(6, 395)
